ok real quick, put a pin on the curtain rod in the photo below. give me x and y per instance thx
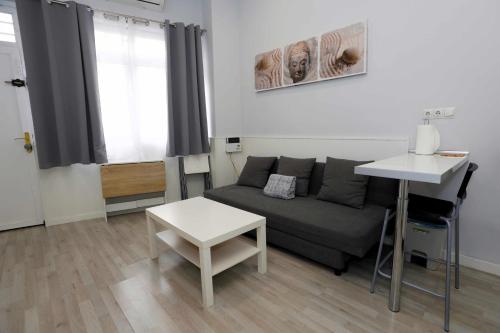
(133, 18)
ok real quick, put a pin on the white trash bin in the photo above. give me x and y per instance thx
(425, 240)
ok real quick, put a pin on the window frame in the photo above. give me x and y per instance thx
(9, 8)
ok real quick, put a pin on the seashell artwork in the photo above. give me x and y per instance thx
(268, 70)
(301, 62)
(338, 53)
(343, 52)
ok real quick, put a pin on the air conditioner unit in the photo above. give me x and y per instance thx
(157, 5)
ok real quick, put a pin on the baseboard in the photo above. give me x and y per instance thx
(19, 224)
(480, 265)
(475, 263)
(73, 218)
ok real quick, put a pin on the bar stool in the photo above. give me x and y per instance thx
(433, 213)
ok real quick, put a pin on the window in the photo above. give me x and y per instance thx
(7, 28)
(208, 85)
(132, 86)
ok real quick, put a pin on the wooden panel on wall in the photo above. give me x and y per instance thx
(120, 180)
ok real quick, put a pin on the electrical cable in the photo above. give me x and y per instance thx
(234, 166)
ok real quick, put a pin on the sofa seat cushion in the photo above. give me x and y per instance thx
(340, 227)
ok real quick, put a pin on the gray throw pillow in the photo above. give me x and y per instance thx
(300, 168)
(279, 186)
(341, 185)
(256, 171)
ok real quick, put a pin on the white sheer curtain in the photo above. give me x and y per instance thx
(207, 74)
(132, 85)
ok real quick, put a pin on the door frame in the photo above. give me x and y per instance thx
(24, 109)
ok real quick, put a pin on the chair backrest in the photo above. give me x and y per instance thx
(462, 192)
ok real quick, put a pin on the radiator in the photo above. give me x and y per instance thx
(132, 187)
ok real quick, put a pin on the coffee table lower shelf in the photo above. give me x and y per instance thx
(224, 255)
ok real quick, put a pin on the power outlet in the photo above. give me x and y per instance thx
(439, 113)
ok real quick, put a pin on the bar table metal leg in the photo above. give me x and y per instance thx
(399, 236)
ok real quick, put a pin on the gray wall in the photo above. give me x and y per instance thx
(420, 54)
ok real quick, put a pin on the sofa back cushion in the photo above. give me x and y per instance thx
(300, 168)
(341, 185)
(316, 179)
(256, 171)
(382, 191)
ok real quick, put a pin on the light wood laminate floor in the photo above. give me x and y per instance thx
(96, 277)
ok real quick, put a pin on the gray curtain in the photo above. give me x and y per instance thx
(187, 113)
(61, 66)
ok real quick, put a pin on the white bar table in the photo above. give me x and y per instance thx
(408, 167)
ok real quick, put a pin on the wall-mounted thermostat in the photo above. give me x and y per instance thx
(233, 145)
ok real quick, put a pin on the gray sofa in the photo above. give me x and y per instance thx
(325, 232)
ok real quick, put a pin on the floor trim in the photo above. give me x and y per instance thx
(73, 218)
(19, 224)
(480, 265)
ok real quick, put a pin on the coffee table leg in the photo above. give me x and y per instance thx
(261, 244)
(207, 291)
(153, 247)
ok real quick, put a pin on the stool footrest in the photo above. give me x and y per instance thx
(409, 284)
(436, 260)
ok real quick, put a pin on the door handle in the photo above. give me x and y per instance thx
(27, 142)
(16, 83)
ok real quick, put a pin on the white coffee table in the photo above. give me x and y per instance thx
(207, 233)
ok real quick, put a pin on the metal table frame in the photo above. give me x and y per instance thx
(399, 248)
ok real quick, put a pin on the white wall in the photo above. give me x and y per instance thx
(222, 18)
(420, 54)
(74, 193)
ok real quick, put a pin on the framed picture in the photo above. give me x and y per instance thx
(335, 54)
(343, 52)
(268, 70)
(300, 64)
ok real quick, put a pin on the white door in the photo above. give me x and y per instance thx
(19, 190)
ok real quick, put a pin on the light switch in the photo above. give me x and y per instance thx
(449, 112)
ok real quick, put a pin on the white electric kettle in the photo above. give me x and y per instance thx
(428, 140)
